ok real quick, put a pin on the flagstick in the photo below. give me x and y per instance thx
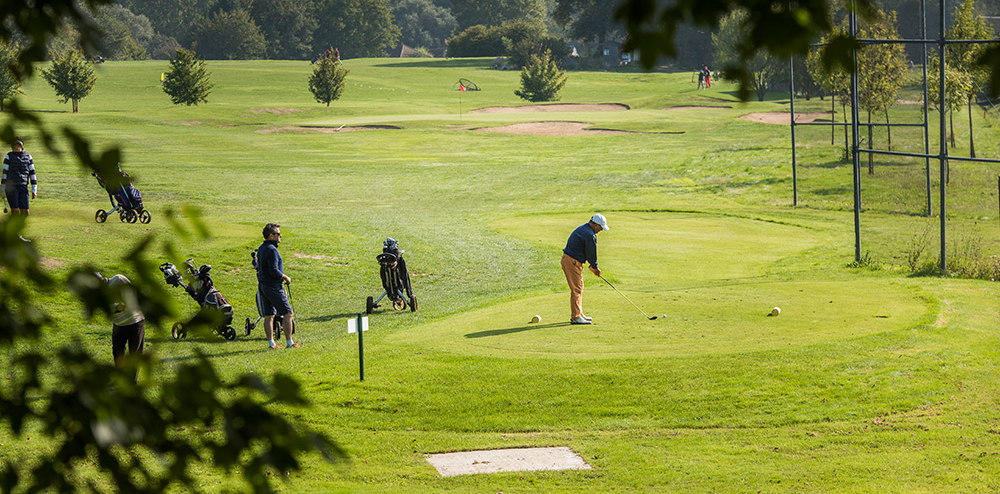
(459, 105)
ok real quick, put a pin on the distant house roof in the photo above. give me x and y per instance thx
(402, 50)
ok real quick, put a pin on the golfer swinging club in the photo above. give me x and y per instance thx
(581, 247)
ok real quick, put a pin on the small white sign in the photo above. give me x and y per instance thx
(352, 325)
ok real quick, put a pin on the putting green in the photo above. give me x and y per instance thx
(707, 274)
(718, 319)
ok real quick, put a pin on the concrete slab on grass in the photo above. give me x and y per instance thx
(506, 460)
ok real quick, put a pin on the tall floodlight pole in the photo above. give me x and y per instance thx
(943, 153)
(856, 146)
(927, 137)
(791, 96)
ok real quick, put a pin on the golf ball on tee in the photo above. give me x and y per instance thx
(775, 311)
(536, 319)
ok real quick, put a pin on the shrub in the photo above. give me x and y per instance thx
(476, 41)
(71, 76)
(328, 78)
(541, 79)
(187, 80)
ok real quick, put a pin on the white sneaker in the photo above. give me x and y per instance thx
(580, 320)
(588, 318)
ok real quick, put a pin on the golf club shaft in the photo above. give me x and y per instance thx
(626, 298)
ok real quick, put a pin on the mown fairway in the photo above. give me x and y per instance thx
(869, 380)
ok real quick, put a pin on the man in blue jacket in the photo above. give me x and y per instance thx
(581, 247)
(270, 275)
(18, 173)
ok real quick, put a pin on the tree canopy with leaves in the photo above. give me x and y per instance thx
(588, 19)
(328, 78)
(763, 68)
(71, 76)
(229, 35)
(187, 79)
(10, 84)
(358, 28)
(962, 57)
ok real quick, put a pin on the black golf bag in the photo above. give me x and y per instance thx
(125, 199)
(201, 288)
(278, 319)
(395, 279)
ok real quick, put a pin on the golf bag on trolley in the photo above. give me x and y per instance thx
(278, 319)
(395, 279)
(125, 199)
(201, 288)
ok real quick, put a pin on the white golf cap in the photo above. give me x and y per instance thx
(599, 219)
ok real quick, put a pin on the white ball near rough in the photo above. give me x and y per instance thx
(775, 311)
(536, 319)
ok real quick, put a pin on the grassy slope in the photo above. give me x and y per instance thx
(830, 396)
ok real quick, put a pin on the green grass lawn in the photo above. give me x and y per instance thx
(870, 380)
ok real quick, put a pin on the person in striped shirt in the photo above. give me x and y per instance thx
(18, 174)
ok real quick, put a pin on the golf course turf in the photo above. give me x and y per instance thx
(870, 379)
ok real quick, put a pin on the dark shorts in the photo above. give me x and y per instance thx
(273, 300)
(133, 336)
(17, 197)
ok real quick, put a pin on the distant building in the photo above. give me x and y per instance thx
(612, 56)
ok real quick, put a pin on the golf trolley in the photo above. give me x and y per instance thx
(395, 279)
(203, 291)
(125, 200)
(278, 319)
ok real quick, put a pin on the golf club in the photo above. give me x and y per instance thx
(4, 194)
(629, 300)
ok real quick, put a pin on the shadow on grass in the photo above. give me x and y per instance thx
(214, 355)
(449, 63)
(330, 317)
(499, 332)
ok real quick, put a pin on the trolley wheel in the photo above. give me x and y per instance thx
(276, 327)
(101, 216)
(122, 216)
(413, 304)
(177, 331)
(230, 333)
(369, 305)
(145, 217)
(248, 327)
(131, 217)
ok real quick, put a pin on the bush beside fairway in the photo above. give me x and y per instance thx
(722, 399)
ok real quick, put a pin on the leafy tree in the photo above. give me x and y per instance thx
(882, 70)
(229, 36)
(495, 12)
(10, 83)
(957, 85)
(72, 77)
(421, 23)
(174, 18)
(162, 47)
(541, 79)
(834, 81)
(187, 79)
(329, 78)
(90, 415)
(522, 39)
(967, 24)
(117, 40)
(476, 41)
(288, 27)
(588, 19)
(762, 70)
(776, 28)
(358, 28)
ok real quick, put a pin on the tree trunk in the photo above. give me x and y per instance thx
(871, 158)
(972, 143)
(76, 108)
(843, 110)
(951, 123)
(833, 116)
(888, 128)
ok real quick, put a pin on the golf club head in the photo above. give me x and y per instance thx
(654, 317)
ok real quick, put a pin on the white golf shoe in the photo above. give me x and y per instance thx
(580, 320)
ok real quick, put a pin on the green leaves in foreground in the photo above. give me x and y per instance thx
(101, 427)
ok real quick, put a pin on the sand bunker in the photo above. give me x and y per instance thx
(698, 108)
(326, 130)
(506, 460)
(552, 129)
(548, 108)
(778, 117)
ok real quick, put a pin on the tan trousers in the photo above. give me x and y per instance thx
(573, 270)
